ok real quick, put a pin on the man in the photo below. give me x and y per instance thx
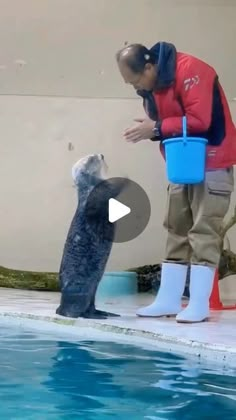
(173, 84)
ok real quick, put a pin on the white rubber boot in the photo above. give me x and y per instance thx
(201, 284)
(169, 296)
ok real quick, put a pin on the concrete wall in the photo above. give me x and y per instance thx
(62, 97)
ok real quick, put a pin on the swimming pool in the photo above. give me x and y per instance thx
(42, 378)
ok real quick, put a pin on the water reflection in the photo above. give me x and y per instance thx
(41, 378)
(105, 377)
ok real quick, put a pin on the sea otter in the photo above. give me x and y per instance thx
(89, 240)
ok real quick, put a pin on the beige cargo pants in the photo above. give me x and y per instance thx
(194, 216)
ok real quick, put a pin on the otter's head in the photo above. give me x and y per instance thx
(89, 170)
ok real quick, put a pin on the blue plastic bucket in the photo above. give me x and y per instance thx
(185, 158)
(118, 283)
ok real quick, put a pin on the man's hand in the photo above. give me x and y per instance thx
(141, 131)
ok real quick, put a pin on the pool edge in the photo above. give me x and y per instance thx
(202, 351)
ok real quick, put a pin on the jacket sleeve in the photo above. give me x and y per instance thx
(195, 89)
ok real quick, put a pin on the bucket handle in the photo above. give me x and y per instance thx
(184, 130)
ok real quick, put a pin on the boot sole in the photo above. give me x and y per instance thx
(156, 316)
(192, 322)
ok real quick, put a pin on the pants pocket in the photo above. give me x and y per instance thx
(217, 199)
(178, 218)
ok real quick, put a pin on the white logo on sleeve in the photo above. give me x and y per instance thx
(190, 82)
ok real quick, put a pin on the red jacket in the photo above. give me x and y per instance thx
(188, 86)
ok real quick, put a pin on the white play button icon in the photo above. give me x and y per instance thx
(117, 210)
(123, 207)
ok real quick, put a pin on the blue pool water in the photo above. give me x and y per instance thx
(42, 379)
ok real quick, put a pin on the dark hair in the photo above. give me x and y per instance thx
(136, 56)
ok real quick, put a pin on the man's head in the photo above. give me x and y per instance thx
(137, 66)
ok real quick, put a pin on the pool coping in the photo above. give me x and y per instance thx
(79, 328)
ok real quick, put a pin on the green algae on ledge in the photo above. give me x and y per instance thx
(28, 280)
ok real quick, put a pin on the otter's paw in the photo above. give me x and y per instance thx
(68, 311)
(96, 314)
(107, 314)
(93, 315)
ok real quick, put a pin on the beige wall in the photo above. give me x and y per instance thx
(67, 47)
(59, 86)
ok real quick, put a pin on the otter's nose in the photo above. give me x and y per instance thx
(102, 156)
